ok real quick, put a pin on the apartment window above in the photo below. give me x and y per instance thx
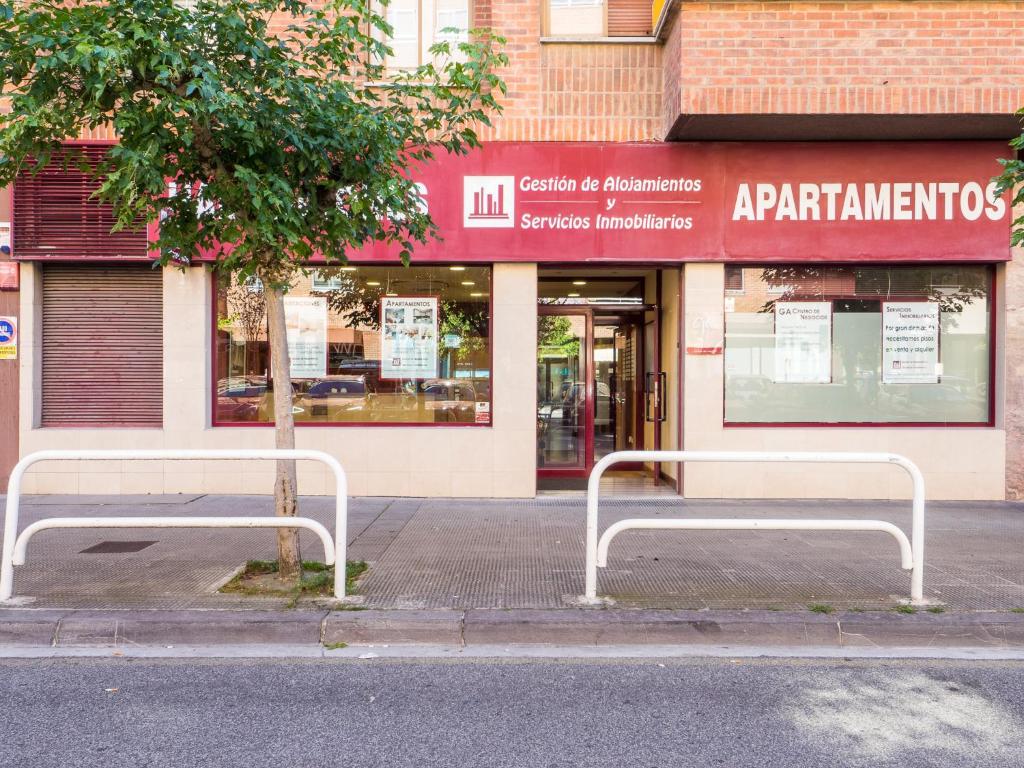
(597, 18)
(576, 18)
(418, 24)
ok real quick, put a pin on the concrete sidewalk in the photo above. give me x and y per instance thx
(464, 555)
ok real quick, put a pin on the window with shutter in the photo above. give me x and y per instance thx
(733, 279)
(629, 18)
(102, 346)
(597, 18)
(55, 220)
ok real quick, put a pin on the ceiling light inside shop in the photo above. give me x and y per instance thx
(579, 282)
(573, 295)
(468, 282)
(373, 282)
(349, 269)
(457, 269)
(390, 294)
(477, 293)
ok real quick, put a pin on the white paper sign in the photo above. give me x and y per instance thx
(306, 321)
(910, 342)
(408, 337)
(803, 342)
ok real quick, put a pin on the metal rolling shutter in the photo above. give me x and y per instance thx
(102, 346)
(628, 18)
(54, 219)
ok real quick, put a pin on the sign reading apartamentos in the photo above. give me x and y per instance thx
(715, 202)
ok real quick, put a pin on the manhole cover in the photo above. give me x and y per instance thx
(113, 547)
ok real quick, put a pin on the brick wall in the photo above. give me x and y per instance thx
(850, 57)
(583, 92)
(572, 91)
(749, 58)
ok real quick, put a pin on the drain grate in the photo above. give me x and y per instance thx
(116, 547)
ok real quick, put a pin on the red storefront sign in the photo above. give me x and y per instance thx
(772, 202)
(716, 202)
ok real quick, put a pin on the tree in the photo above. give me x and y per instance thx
(1012, 179)
(283, 133)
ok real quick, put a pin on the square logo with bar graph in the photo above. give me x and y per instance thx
(488, 202)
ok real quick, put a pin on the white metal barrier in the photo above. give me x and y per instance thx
(911, 552)
(14, 547)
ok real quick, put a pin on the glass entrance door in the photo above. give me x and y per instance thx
(588, 396)
(616, 359)
(564, 407)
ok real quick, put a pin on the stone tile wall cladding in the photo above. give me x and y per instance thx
(1014, 374)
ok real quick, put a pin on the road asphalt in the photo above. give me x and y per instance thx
(650, 713)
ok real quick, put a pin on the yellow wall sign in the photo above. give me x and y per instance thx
(8, 338)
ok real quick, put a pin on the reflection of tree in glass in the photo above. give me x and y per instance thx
(555, 334)
(359, 305)
(952, 288)
(247, 307)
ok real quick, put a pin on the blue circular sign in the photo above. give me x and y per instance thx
(6, 331)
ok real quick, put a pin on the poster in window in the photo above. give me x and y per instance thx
(910, 342)
(803, 342)
(408, 337)
(306, 322)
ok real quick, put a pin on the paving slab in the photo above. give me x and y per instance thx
(648, 627)
(29, 627)
(121, 628)
(393, 627)
(505, 628)
(931, 631)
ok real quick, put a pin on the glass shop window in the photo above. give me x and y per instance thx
(858, 345)
(367, 345)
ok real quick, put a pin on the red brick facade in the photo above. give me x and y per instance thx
(755, 59)
(843, 57)
(779, 58)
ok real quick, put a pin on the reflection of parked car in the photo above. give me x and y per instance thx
(572, 401)
(266, 406)
(449, 399)
(335, 398)
(239, 397)
(394, 400)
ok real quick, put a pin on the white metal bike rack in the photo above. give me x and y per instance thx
(15, 546)
(911, 554)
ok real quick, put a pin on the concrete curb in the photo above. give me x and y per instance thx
(470, 628)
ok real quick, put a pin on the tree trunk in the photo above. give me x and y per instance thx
(286, 500)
